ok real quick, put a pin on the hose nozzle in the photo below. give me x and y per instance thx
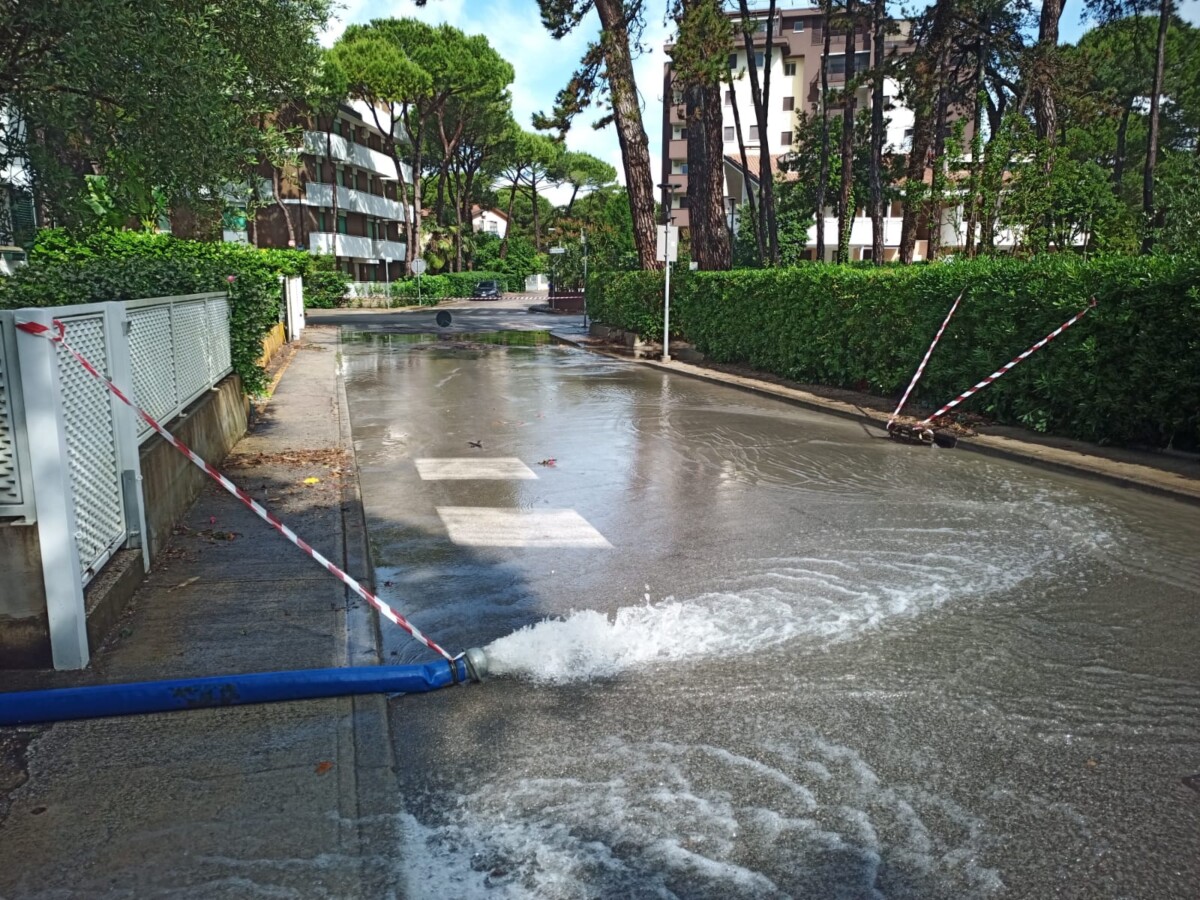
(477, 664)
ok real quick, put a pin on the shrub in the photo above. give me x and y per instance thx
(1128, 372)
(127, 265)
(326, 289)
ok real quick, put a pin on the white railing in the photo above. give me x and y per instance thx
(69, 449)
(350, 200)
(179, 348)
(324, 242)
(316, 143)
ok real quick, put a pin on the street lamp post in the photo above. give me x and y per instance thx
(668, 214)
(583, 240)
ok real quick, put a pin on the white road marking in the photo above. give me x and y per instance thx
(474, 467)
(485, 526)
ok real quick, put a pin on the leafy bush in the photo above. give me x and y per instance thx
(1128, 372)
(326, 289)
(127, 265)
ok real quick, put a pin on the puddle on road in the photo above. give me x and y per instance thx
(451, 340)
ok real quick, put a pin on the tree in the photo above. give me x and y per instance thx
(584, 172)
(408, 71)
(699, 59)
(845, 208)
(879, 26)
(760, 95)
(543, 169)
(103, 87)
(606, 73)
(823, 102)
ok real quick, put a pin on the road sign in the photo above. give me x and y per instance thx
(668, 239)
(418, 266)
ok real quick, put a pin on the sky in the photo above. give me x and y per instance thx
(543, 65)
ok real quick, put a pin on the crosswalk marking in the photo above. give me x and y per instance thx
(473, 467)
(485, 526)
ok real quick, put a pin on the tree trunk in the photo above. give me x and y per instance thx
(389, 131)
(823, 174)
(332, 180)
(627, 114)
(976, 150)
(926, 77)
(706, 177)
(1045, 113)
(533, 198)
(846, 206)
(512, 198)
(938, 174)
(737, 128)
(877, 209)
(1119, 158)
(1148, 212)
(760, 95)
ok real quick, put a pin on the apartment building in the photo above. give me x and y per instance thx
(796, 46)
(341, 198)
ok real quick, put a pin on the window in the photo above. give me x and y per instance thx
(729, 98)
(321, 220)
(754, 132)
(733, 60)
(837, 64)
(786, 139)
(789, 69)
(729, 135)
(868, 253)
(678, 132)
(679, 166)
(758, 59)
(798, 25)
(677, 97)
(341, 224)
(493, 227)
(789, 103)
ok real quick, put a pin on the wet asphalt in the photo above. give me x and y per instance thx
(801, 660)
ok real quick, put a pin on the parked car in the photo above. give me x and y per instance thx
(486, 290)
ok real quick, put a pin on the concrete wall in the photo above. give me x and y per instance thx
(210, 426)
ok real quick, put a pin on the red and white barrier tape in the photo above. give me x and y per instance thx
(1010, 365)
(58, 336)
(928, 353)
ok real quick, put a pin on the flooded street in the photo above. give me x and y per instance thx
(746, 650)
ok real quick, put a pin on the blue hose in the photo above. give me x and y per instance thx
(96, 701)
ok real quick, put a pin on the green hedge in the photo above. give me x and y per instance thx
(1128, 372)
(446, 286)
(127, 265)
(326, 290)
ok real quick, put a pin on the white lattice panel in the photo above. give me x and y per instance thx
(152, 357)
(191, 349)
(91, 442)
(10, 475)
(218, 339)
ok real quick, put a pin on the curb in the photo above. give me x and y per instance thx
(370, 784)
(1122, 474)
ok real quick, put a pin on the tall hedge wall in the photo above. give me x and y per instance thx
(126, 265)
(1128, 372)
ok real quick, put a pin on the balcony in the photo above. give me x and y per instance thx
(860, 232)
(315, 143)
(677, 148)
(350, 200)
(346, 245)
(388, 250)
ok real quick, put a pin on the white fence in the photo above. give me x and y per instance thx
(69, 448)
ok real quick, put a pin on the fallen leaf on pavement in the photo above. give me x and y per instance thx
(548, 462)
(184, 584)
(311, 480)
(323, 767)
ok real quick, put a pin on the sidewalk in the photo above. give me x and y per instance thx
(256, 800)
